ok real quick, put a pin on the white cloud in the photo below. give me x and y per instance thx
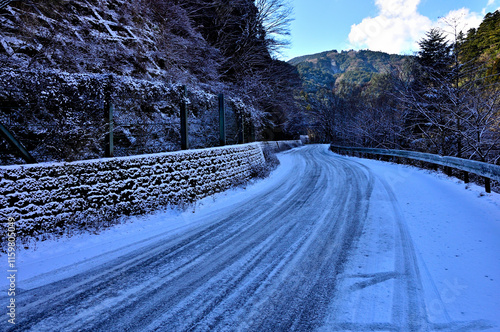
(396, 29)
(399, 26)
(397, 8)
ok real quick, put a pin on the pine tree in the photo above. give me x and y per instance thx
(435, 54)
(481, 47)
(433, 75)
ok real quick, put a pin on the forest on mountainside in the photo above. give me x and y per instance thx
(328, 69)
(482, 46)
(63, 62)
(444, 100)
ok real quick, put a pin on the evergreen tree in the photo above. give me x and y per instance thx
(435, 55)
(434, 75)
(481, 47)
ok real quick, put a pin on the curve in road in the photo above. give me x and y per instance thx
(310, 253)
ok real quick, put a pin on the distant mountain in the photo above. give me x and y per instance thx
(326, 69)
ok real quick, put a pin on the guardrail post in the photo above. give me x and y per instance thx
(466, 177)
(184, 122)
(222, 120)
(487, 185)
(448, 171)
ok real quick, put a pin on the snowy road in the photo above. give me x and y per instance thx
(324, 245)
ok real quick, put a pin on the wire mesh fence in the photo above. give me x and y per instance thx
(63, 117)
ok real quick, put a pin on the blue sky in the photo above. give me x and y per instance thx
(392, 26)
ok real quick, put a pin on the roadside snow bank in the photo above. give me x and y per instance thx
(455, 230)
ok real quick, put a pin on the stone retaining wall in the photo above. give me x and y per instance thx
(50, 197)
(278, 146)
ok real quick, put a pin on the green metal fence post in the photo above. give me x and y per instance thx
(108, 114)
(222, 120)
(109, 135)
(241, 130)
(252, 133)
(184, 120)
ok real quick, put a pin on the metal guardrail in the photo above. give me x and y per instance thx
(488, 171)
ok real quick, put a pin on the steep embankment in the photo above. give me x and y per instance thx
(113, 36)
(63, 61)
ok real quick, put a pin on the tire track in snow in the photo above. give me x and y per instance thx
(131, 260)
(99, 278)
(409, 312)
(416, 318)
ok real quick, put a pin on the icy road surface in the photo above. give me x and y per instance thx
(328, 243)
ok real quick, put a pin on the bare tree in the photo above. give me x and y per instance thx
(458, 114)
(480, 121)
(275, 16)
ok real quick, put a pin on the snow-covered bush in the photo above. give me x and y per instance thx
(262, 170)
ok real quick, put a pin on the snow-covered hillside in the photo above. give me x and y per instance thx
(63, 62)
